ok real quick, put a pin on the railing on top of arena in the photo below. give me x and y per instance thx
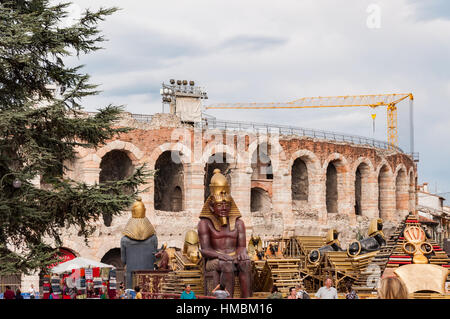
(210, 122)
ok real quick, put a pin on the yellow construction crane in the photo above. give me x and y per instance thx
(373, 101)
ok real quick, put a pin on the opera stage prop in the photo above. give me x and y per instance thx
(139, 243)
(420, 275)
(374, 242)
(217, 253)
(222, 239)
(332, 244)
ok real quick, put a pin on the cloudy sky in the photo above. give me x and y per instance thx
(281, 50)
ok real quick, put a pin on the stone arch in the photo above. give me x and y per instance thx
(310, 159)
(277, 154)
(132, 150)
(312, 172)
(331, 188)
(401, 190)
(363, 171)
(262, 185)
(115, 165)
(169, 182)
(335, 170)
(385, 198)
(216, 148)
(299, 180)
(185, 153)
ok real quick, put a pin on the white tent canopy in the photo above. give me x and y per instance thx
(78, 263)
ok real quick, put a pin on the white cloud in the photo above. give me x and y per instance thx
(272, 51)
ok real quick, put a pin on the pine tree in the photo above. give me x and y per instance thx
(40, 132)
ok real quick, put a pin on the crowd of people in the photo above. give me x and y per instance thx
(10, 294)
(389, 288)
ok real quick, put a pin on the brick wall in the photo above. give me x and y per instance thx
(387, 183)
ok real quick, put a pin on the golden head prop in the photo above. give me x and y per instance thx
(219, 188)
(138, 208)
(138, 227)
(420, 276)
(220, 207)
(416, 244)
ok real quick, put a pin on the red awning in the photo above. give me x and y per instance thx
(66, 256)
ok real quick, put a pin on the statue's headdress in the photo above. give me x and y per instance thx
(220, 192)
(138, 227)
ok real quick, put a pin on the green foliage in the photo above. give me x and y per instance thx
(40, 131)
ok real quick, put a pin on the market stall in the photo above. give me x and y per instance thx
(81, 276)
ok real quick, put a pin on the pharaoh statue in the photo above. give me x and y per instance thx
(221, 233)
(139, 243)
(372, 243)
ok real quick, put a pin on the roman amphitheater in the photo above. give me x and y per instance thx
(286, 181)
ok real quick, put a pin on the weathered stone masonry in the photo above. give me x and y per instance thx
(289, 187)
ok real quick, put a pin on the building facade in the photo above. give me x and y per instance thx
(284, 184)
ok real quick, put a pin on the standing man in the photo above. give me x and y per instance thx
(327, 292)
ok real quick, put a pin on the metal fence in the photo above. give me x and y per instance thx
(210, 122)
(292, 130)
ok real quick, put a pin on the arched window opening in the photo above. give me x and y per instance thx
(261, 163)
(383, 191)
(115, 166)
(169, 182)
(358, 190)
(299, 183)
(260, 200)
(331, 189)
